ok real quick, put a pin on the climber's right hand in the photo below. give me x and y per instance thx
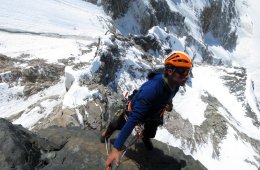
(113, 156)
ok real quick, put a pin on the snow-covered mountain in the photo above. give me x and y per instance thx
(60, 55)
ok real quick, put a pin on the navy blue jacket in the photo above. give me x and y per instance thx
(147, 104)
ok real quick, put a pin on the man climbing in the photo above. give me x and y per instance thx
(149, 103)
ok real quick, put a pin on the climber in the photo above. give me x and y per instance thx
(147, 105)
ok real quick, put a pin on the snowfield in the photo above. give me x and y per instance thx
(51, 29)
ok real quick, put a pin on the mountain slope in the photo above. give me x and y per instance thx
(67, 63)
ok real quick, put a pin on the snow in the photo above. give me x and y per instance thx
(175, 43)
(47, 48)
(207, 79)
(77, 96)
(129, 23)
(53, 30)
(80, 117)
(95, 65)
(196, 107)
(233, 152)
(68, 17)
(190, 10)
(247, 50)
(221, 53)
(211, 82)
(250, 96)
(9, 98)
(30, 118)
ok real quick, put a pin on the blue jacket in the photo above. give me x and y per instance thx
(147, 104)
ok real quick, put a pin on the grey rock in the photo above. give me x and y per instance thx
(83, 151)
(18, 148)
(158, 13)
(115, 8)
(75, 148)
(220, 25)
(166, 17)
(147, 42)
(38, 76)
(236, 82)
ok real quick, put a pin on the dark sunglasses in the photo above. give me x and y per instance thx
(182, 71)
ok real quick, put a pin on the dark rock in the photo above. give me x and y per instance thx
(158, 13)
(166, 17)
(220, 25)
(147, 42)
(67, 61)
(5, 62)
(37, 76)
(110, 63)
(206, 54)
(116, 8)
(91, 1)
(18, 147)
(82, 151)
(40, 76)
(75, 148)
(43, 72)
(33, 88)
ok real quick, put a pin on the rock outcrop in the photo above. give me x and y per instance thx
(35, 75)
(76, 148)
(147, 16)
(220, 25)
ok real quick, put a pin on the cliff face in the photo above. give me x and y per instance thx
(76, 148)
(221, 19)
(145, 14)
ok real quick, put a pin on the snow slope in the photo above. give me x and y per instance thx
(247, 51)
(50, 29)
(207, 79)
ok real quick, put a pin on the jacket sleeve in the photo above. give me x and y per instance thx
(142, 104)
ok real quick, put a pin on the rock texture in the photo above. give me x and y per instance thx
(35, 75)
(147, 16)
(75, 148)
(220, 25)
(19, 148)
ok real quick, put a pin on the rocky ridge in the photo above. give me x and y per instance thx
(76, 148)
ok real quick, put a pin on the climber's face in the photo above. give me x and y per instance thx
(178, 76)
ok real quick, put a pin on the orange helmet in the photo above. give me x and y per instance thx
(178, 59)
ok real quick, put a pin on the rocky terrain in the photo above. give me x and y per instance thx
(77, 148)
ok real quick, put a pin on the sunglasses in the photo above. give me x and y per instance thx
(182, 71)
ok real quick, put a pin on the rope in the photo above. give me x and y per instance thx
(106, 146)
(138, 135)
